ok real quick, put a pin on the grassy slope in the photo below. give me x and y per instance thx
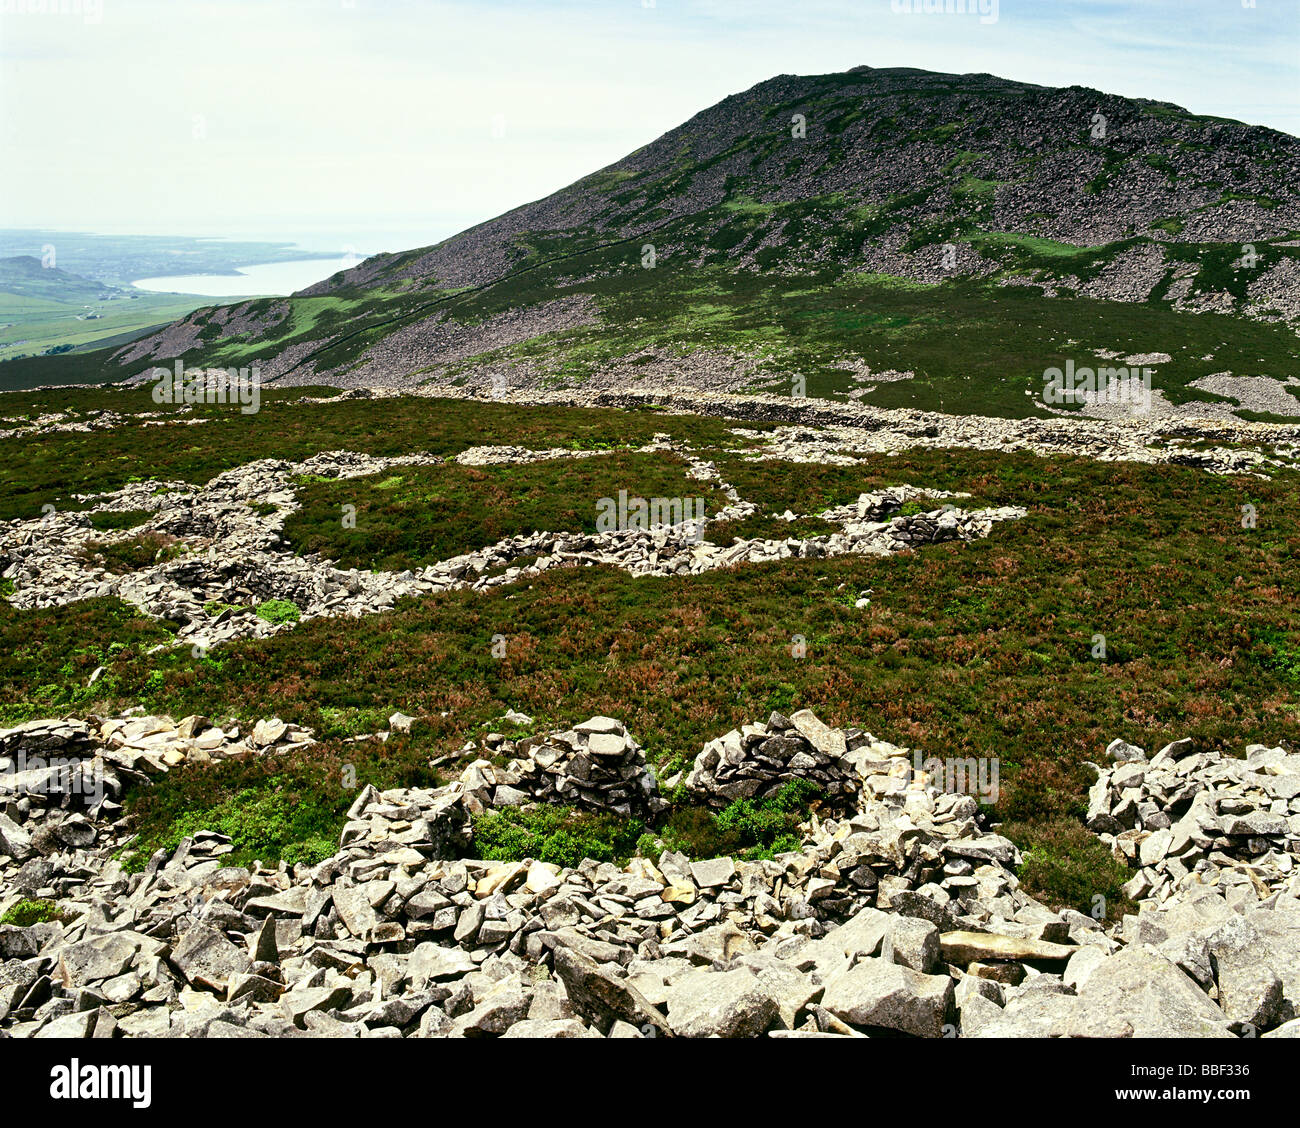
(817, 325)
(50, 470)
(814, 326)
(813, 323)
(417, 516)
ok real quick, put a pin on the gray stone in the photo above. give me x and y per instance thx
(731, 1004)
(602, 998)
(1122, 752)
(876, 992)
(825, 739)
(912, 943)
(14, 840)
(431, 963)
(74, 1025)
(97, 958)
(301, 1001)
(1133, 994)
(976, 1012)
(355, 910)
(1250, 993)
(713, 873)
(549, 1028)
(207, 959)
(1081, 965)
(964, 947)
(503, 1006)
(719, 943)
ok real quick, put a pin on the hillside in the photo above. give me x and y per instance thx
(47, 312)
(23, 276)
(842, 228)
(678, 609)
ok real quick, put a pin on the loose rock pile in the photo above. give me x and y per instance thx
(1184, 818)
(595, 766)
(903, 916)
(60, 780)
(884, 504)
(758, 760)
(849, 431)
(237, 557)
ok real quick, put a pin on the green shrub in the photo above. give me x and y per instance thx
(278, 611)
(649, 845)
(314, 849)
(429, 513)
(746, 828)
(289, 807)
(336, 722)
(128, 519)
(554, 834)
(1067, 866)
(1283, 655)
(268, 823)
(132, 555)
(781, 844)
(32, 912)
(758, 527)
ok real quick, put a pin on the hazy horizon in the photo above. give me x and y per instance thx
(352, 125)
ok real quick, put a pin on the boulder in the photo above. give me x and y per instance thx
(206, 958)
(877, 993)
(729, 1004)
(601, 997)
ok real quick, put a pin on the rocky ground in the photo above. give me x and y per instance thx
(900, 915)
(825, 430)
(236, 557)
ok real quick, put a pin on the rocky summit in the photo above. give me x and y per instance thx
(890, 171)
(827, 236)
(899, 914)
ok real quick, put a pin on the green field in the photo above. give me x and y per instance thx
(416, 516)
(29, 326)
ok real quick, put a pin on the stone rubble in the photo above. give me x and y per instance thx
(841, 433)
(827, 431)
(822, 430)
(237, 557)
(63, 422)
(61, 780)
(901, 915)
(1183, 818)
(595, 766)
(758, 760)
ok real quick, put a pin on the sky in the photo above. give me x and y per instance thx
(366, 125)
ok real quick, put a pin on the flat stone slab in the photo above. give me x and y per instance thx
(967, 947)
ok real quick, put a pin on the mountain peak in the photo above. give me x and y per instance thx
(815, 184)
